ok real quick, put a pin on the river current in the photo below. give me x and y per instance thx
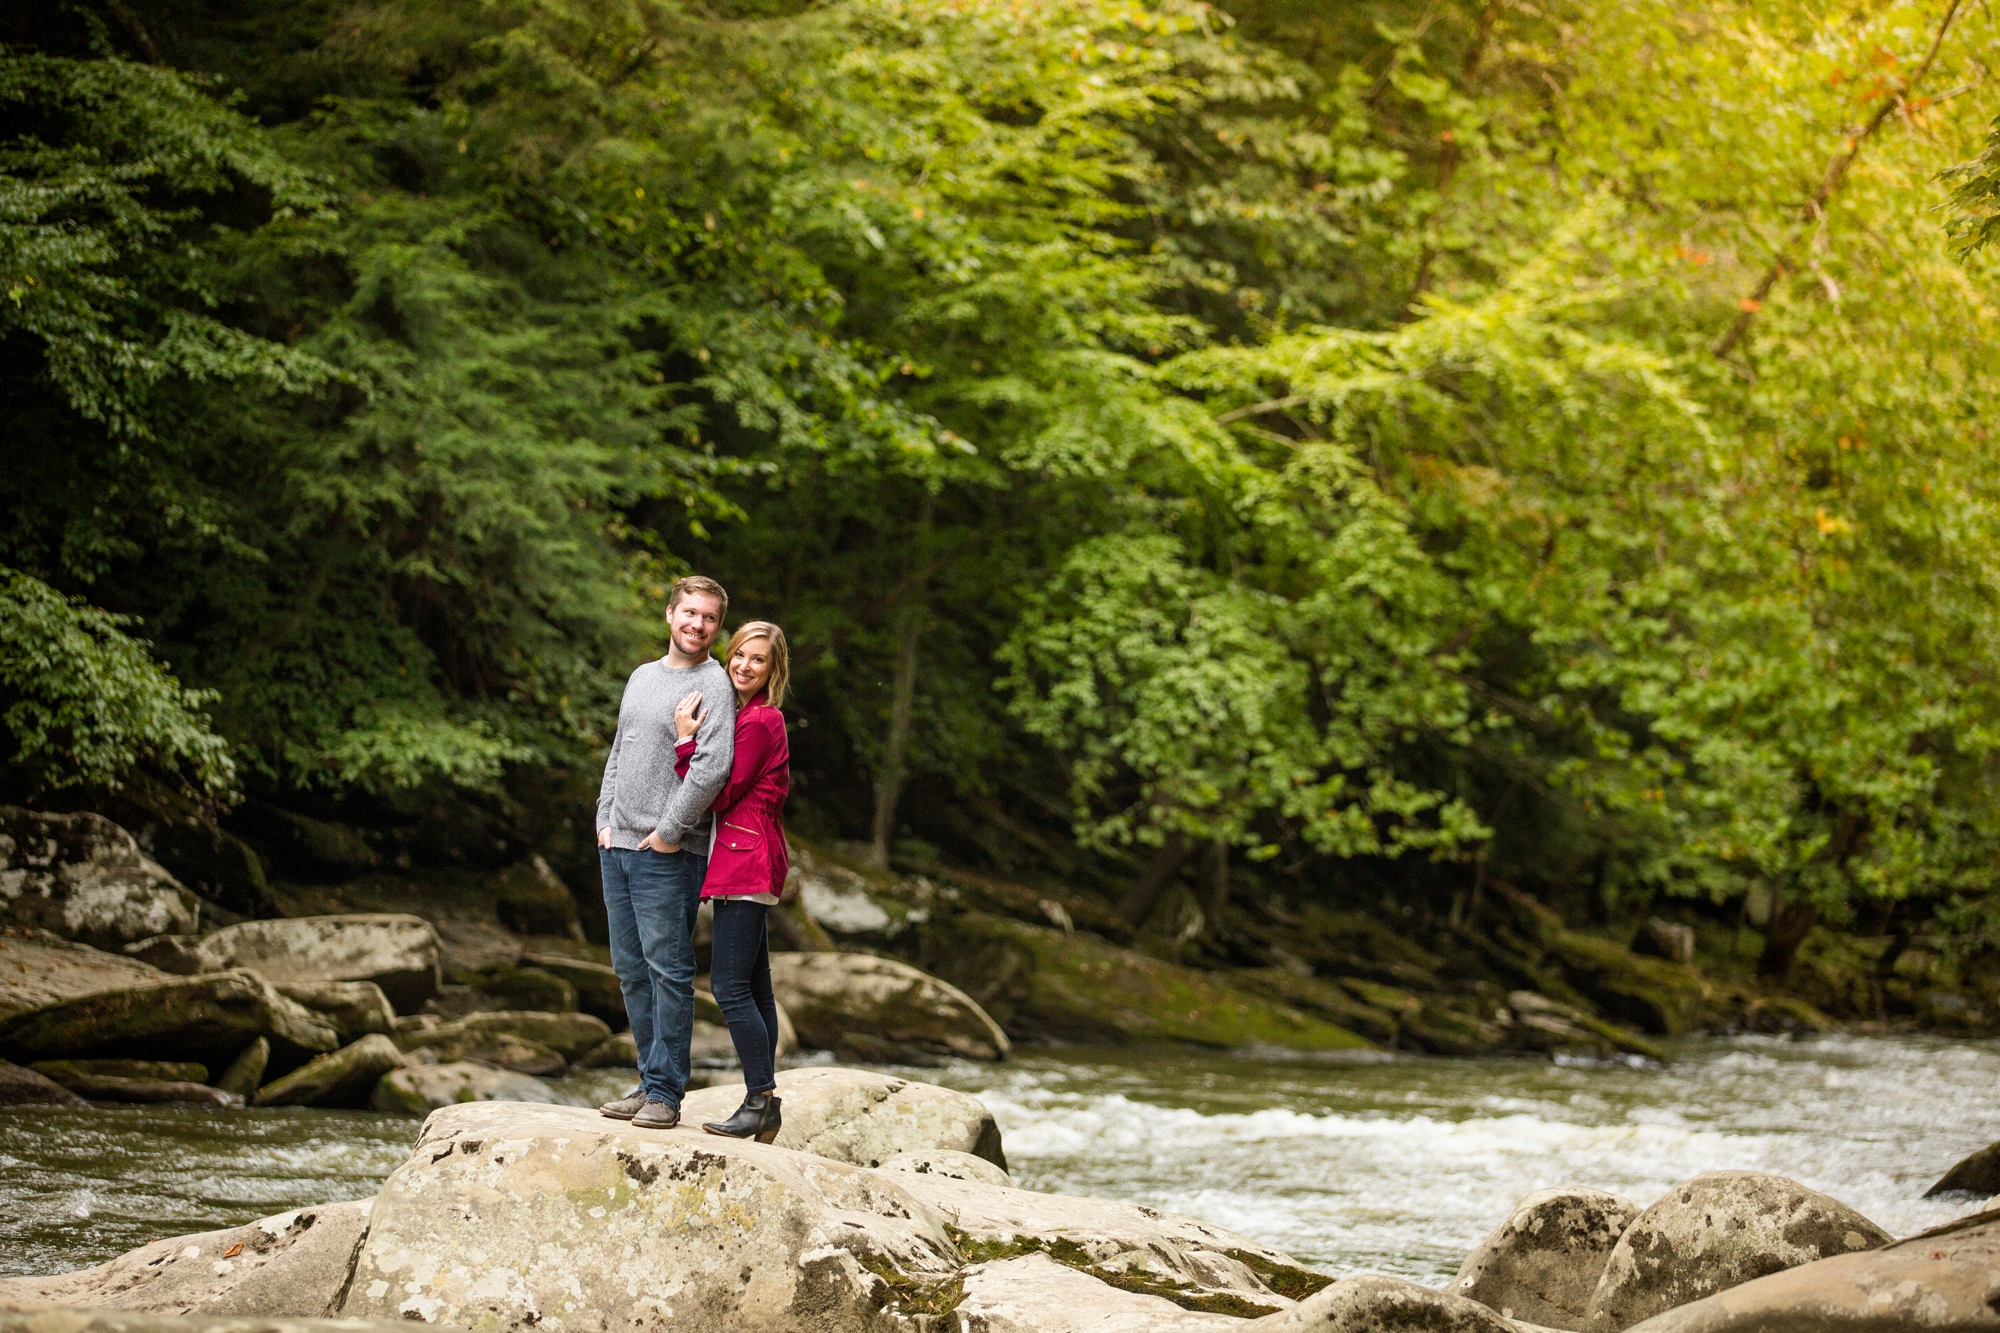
(1394, 1165)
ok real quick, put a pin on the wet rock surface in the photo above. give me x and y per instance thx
(84, 878)
(345, 1077)
(24, 1087)
(1543, 1263)
(1714, 1232)
(1976, 1174)
(294, 1264)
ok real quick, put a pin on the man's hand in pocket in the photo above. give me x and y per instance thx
(653, 844)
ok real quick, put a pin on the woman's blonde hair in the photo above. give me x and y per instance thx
(780, 678)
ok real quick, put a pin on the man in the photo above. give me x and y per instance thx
(653, 838)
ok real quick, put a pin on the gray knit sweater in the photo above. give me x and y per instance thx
(641, 793)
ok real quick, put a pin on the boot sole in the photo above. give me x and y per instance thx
(616, 1115)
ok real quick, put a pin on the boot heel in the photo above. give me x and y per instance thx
(774, 1121)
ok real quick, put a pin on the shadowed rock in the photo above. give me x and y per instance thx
(24, 1087)
(721, 1233)
(1945, 1278)
(859, 1116)
(38, 969)
(568, 1035)
(1543, 1263)
(157, 1081)
(457, 1041)
(289, 1265)
(1717, 1231)
(596, 985)
(618, 1050)
(1977, 1174)
(84, 878)
(207, 1019)
(246, 1072)
(346, 1077)
(397, 952)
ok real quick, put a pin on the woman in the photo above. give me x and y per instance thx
(747, 865)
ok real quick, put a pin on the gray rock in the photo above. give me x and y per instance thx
(568, 1035)
(862, 1117)
(1977, 1174)
(207, 1019)
(706, 1010)
(1035, 1294)
(1714, 1232)
(946, 1162)
(531, 898)
(831, 994)
(39, 969)
(421, 1089)
(1543, 1263)
(618, 1051)
(84, 878)
(136, 1081)
(178, 954)
(396, 951)
(294, 1264)
(1125, 1240)
(1946, 1278)
(355, 1008)
(345, 1077)
(1372, 1303)
(456, 1041)
(246, 1072)
(663, 1228)
(24, 1087)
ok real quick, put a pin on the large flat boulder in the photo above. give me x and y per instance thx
(1373, 1303)
(1716, 1231)
(657, 1229)
(1543, 1263)
(862, 1117)
(1154, 1251)
(1946, 1278)
(421, 1089)
(84, 878)
(1035, 1294)
(208, 1019)
(396, 951)
(38, 968)
(294, 1264)
(54, 1319)
(830, 995)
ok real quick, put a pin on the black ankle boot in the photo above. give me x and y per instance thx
(760, 1117)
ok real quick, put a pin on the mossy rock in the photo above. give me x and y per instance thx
(1649, 994)
(1322, 999)
(1041, 982)
(1450, 1026)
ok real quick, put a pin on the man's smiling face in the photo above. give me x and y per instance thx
(693, 623)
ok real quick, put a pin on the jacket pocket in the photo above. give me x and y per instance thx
(737, 838)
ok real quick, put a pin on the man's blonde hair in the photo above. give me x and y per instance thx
(701, 585)
(780, 678)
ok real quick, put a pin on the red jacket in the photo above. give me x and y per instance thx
(749, 855)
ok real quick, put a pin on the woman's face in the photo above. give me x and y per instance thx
(750, 667)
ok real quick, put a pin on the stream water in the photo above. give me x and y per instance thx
(1398, 1165)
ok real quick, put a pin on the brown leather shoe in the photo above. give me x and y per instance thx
(625, 1107)
(657, 1115)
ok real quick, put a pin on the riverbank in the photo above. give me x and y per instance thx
(1395, 1165)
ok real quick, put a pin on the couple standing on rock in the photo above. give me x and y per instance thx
(688, 811)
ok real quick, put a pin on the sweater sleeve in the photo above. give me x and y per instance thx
(754, 745)
(683, 756)
(715, 747)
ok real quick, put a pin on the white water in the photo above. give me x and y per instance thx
(1401, 1167)
(1397, 1166)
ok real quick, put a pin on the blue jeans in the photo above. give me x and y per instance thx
(650, 900)
(740, 974)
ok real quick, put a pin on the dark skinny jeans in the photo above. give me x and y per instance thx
(739, 973)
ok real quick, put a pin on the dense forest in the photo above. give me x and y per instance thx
(1385, 455)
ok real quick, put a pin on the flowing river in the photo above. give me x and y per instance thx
(1397, 1165)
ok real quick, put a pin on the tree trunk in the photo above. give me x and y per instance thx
(903, 691)
(1787, 929)
(1144, 895)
